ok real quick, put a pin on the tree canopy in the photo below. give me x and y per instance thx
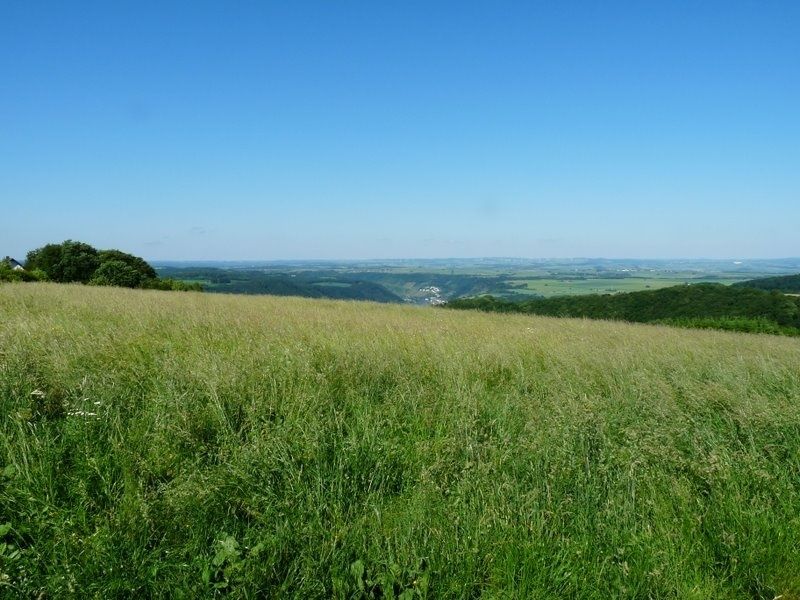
(789, 284)
(703, 304)
(138, 264)
(66, 262)
(72, 261)
(117, 272)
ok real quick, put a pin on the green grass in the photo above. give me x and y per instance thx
(157, 444)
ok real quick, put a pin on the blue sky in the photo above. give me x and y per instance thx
(257, 130)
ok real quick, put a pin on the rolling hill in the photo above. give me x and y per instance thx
(788, 284)
(157, 444)
(704, 305)
(303, 284)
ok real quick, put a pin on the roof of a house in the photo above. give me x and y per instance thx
(13, 263)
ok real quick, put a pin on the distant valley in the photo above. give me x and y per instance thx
(420, 281)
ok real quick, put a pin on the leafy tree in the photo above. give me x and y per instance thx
(73, 261)
(65, 262)
(118, 273)
(141, 265)
(47, 258)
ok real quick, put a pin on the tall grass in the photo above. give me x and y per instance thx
(157, 444)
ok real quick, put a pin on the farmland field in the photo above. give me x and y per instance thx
(569, 287)
(159, 444)
(409, 281)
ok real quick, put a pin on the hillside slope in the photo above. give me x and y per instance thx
(303, 284)
(701, 304)
(157, 444)
(789, 284)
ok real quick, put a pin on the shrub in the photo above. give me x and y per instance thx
(175, 285)
(118, 273)
(9, 274)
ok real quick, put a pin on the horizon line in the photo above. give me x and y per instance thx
(436, 258)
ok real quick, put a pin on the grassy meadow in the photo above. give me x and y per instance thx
(160, 444)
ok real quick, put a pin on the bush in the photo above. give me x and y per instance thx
(118, 273)
(174, 285)
(9, 274)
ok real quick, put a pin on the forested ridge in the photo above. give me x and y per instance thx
(705, 305)
(788, 283)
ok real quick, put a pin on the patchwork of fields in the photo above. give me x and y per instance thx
(409, 280)
(549, 288)
(156, 444)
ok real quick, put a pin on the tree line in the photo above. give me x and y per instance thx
(78, 262)
(699, 305)
(788, 284)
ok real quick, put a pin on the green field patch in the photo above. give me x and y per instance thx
(568, 287)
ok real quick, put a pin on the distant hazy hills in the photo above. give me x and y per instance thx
(305, 284)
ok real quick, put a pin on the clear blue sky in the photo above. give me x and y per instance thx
(267, 130)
